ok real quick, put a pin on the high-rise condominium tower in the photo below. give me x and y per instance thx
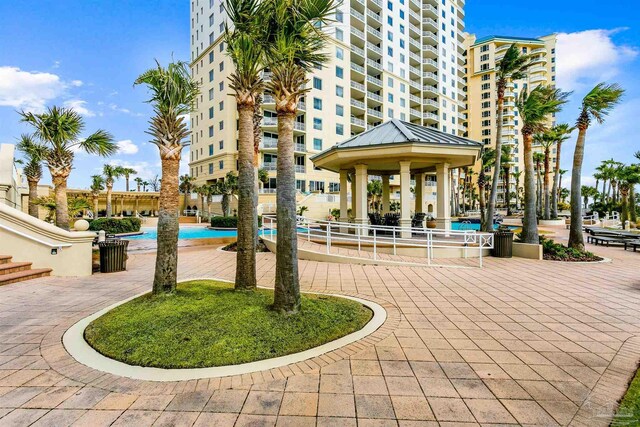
(483, 56)
(389, 59)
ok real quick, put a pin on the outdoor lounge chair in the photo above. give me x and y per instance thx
(418, 220)
(635, 244)
(392, 219)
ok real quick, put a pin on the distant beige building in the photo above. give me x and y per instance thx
(482, 56)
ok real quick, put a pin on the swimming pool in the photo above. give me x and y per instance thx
(474, 226)
(150, 233)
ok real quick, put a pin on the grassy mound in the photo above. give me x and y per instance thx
(206, 323)
(558, 252)
(629, 410)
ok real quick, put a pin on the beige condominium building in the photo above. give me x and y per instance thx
(398, 59)
(483, 55)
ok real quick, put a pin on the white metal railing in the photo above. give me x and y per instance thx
(35, 239)
(378, 237)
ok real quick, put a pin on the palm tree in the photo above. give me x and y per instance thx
(512, 67)
(535, 108)
(186, 187)
(144, 186)
(629, 177)
(126, 173)
(547, 141)
(60, 130)
(538, 160)
(374, 194)
(227, 188)
(139, 181)
(97, 185)
(588, 192)
(505, 161)
(201, 190)
(111, 173)
(33, 153)
(487, 159)
(295, 44)
(561, 133)
(173, 94)
(516, 177)
(247, 55)
(596, 105)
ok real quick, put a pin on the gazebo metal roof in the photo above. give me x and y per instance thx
(396, 139)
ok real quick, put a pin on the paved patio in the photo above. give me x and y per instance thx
(518, 342)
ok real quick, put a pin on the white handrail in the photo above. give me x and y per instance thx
(334, 232)
(42, 242)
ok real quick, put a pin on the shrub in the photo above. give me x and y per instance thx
(229, 221)
(558, 252)
(115, 225)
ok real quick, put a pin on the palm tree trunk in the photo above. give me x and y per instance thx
(538, 190)
(225, 205)
(554, 188)
(62, 209)
(95, 207)
(604, 193)
(247, 215)
(491, 208)
(109, 208)
(576, 239)
(126, 182)
(481, 200)
(33, 196)
(632, 204)
(287, 286)
(624, 196)
(166, 272)
(547, 207)
(507, 193)
(529, 221)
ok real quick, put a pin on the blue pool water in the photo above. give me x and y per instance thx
(473, 226)
(186, 233)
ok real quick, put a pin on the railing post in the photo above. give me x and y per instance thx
(375, 247)
(481, 250)
(394, 242)
(328, 239)
(359, 243)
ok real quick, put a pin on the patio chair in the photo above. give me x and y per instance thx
(392, 219)
(418, 220)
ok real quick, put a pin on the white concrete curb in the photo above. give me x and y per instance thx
(75, 344)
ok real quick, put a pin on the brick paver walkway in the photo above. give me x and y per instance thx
(518, 342)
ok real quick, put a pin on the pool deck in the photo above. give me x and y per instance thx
(518, 342)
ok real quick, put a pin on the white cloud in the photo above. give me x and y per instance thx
(587, 57)
(28, 90)
(76, 83)
(126, 146)
(145, 170)
(79, 106)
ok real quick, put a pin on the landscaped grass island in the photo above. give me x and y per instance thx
(206, 323)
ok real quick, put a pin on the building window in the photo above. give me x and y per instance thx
(317, 103)
(317, 144)
(210, 75)
(210, 131)
(211, 112)
(221, 164)
(221, 125)
(221, 66)
(317, 123)
(317, 83)
(210, 57)
(339, 129)
(220, 145)
(334, 187)
(339, 53)
(339, 91)
(339, 34)
(339, 110)
(211, 149)
(390, 97)
(210, 168)
(210, 94)
(339, 16)
(339, 72)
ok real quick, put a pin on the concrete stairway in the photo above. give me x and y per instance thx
(12, 272)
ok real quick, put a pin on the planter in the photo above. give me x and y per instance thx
(527, 250)
(552, 222)
(432, 223)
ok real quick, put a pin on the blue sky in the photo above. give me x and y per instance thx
(86, 54)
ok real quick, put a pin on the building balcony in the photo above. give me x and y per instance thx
(358, 68)
(430, 11)
(374, 113)
(414, 112)
(415, 29)
(430, 116)
(416, 4)
(376, 3)
(415, 15)
(540, 50)
(415, 57)
(429, 51)
(415, 85)
(539, 60)
(269, 166)
(431, 89)
(377, 34)
(432, 23)
(539, 78)
(301, 169)
(270, 122)
(374, 64)
(374, 81)
(430, 76)
(509, 104)
(357, 50)
(509, 94)
(299, 126)
(430, 35)
(508, 132)
(374, 48)
(501, 49)
(430, 104)
(508, 113)
(357, 33)
(357, 15)
(358, 122)
(358, 86)
(416, 99)
(537, 69)
(374, 97)
(269, 143)
(357, 104)
(376, 16)
(266, 75)
(430, 63)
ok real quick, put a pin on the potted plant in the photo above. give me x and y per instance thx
(431, 221)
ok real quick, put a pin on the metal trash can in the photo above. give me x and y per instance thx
(502, 244)
(113, 255)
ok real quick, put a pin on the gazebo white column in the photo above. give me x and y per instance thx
(353, 196)
(344, 200)
(443, 218)
(405, 196)
(419, 192)
(361, 194)
(386, 199)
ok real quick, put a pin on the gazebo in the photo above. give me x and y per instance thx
(398, 148)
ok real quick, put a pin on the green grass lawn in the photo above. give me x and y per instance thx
(206, 323)
(629, 411)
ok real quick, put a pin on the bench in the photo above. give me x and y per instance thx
(635, 244)
(606, 240)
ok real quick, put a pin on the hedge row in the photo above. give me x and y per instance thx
(228, 221)
(116, 225)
